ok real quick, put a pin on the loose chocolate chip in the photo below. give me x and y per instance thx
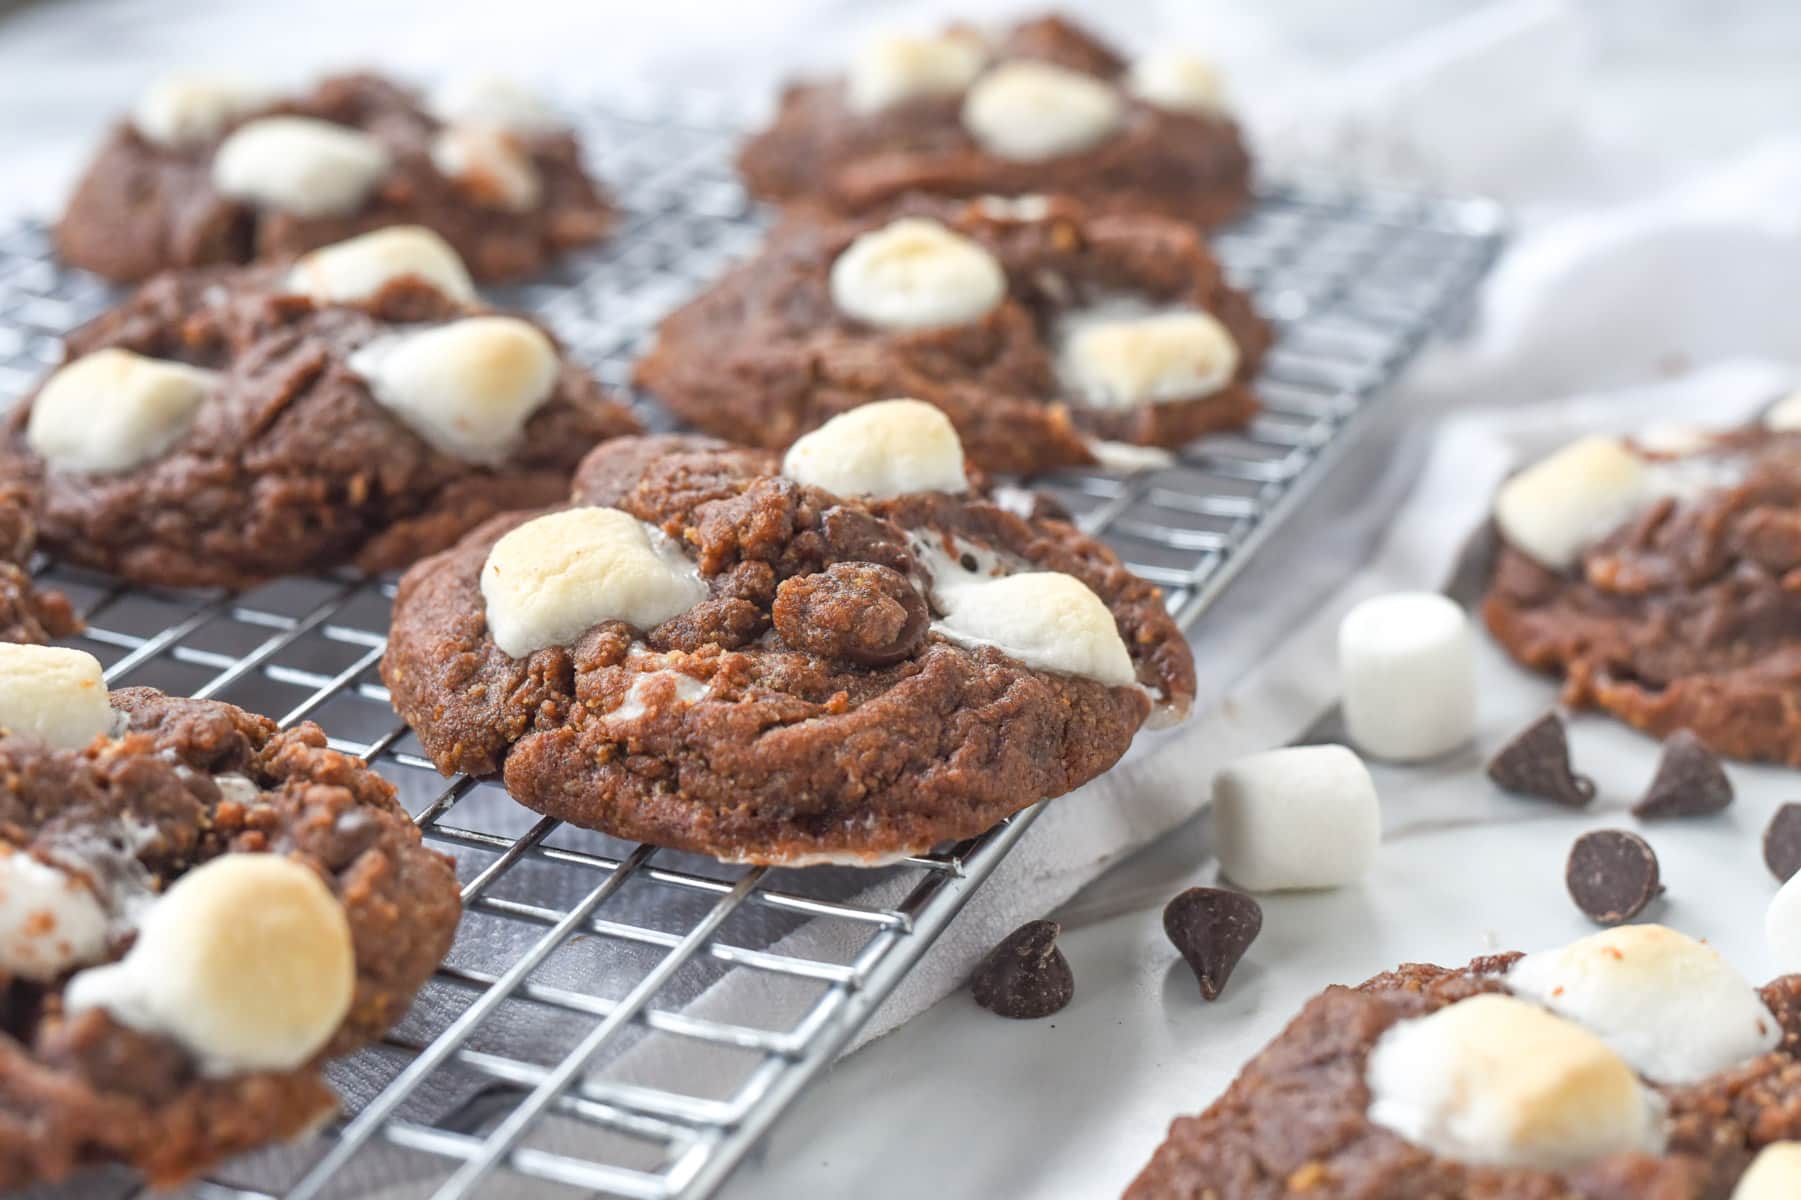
(1782, 842)
(1212, 927)
(1026, 975)
(1689, 781)
(1612, 875)
(1537, 763)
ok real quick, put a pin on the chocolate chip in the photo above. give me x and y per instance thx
(1689, 781)
(1782, 842)
(1026, 975)
(1212, 927)
(1612, 875)
(1537, 763)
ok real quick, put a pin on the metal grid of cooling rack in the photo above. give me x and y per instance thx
(521, 1070)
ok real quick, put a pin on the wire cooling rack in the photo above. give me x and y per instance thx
(523, 1068)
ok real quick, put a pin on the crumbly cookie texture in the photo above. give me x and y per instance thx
(1664, 586)
(27, 613)
(830, 678)
(1043, 331)
(210, 170)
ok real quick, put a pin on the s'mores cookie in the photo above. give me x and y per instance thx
(27, 613)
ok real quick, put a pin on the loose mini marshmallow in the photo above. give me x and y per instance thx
(891, 70)
(1296, 817)
(1556, 508)
(113, 410)
(1045, 619)
(53, 694)
(1121, 362)
(1784, 416)
(300, 165)
(890, 448)
(554, 577)
(50, 920)
(1782, 925)
(1498, 1082)
(246, 961)
(360, 267)
(1176, 80)
(916, 274)
(468, 387)
(1028, 111)
(183, 110)
(1407, 671)
(490, 163)
(1775, 1174)
(1668, 1004)
(495, 102)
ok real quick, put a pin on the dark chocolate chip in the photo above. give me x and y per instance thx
(1689, 781)
(1537, 763)
(1212, 927)
(1026, 975)
(1612, 875)
(1782, 842)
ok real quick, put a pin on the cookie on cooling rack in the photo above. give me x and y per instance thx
(358, 404)
(1635, 1063)
(1662, 578)
(1042, 107)
(27, 613)
(1042, 329)
(210, 169)
(843, 656)
(197, 911)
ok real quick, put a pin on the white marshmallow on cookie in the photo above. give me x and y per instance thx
(1671, 1006)
(1119, 361)
(1558, 507)
(894, 69)
(246, 961)
(1495, 1081)
(184, 110)
(300, 165)
(1295, 818)
(916, 274)
(468, 387)
(890, 448)
(558, 575)
(53, 694)
(495, 102)
(50, 920)
(113, 410)
(490, 163)
(1029, 111)
(1784, 416)
(1045, 619)
(359, 267)
(1775, 1174)
(1177, 80)
(1407, 672)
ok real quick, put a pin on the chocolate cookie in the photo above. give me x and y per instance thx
(27, 614)
(229, 424)
(1663, 584)
(1039, 327)
(209, 170)
(1043, 107)
(1632, 1064)
(197, 911)
(846, 658)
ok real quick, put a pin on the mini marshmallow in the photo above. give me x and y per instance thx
(183, 110)
(50, 920)
(1782, 925)
(490, 163)
(1178, 81)
(494, 102)
(916, 274)
(1121, 362)
(1668, 1004)
(553, 577)
(1495, 1081)
(891, 70)
(1027, 208)
(1784, 416)
(890, 448)
(53, 694)
(1045, 619)
(300, 165)
(1557, 508)
(113, 410)
(468, 387)
(358, 268)
(1775, 1174)
(1407, 670)
(246, 961)
(1296, 817)
(1029, 111)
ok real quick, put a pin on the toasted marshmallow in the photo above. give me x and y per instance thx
(1407, 672)
(1495, 1081)
(916, 274)
(1029, 111)
(889, 448)
(246, 961)
(53, 694)
(468, 387)
(490, 163)
(358, 268)
(1178, 81)
(1668, 1004)
(1557, 508)
(50, 920)
(495, 102)
(300, 165)
(1784, 416)
(1045, 619)
(183, 110)
(113, 410)
(554, 577)
(1122, 362)
(1775, 1174)
(891, 70)
(1295, 818)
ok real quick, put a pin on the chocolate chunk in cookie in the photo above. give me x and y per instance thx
(1612, 875)
(1212, 927)
(1689, 782)
(1537, 763)
(1782, 842)
(1026, 976)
